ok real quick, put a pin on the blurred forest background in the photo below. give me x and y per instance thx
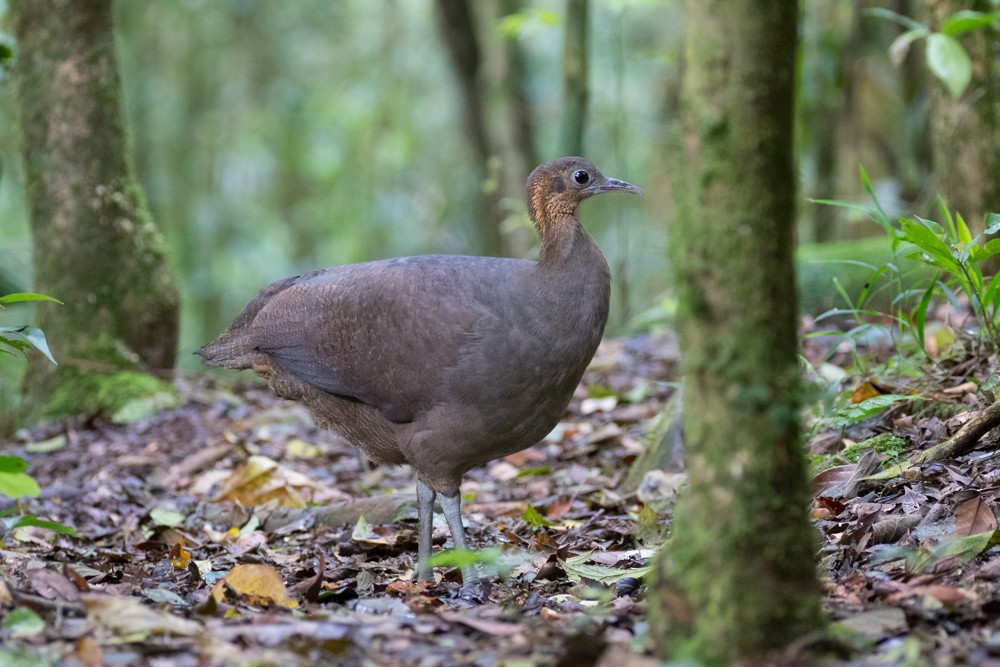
(273, 138)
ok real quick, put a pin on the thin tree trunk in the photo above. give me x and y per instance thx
(458, 29)
(575, 89)
(95, 245)
(738, 577)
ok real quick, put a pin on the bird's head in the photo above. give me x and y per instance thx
(557, 187)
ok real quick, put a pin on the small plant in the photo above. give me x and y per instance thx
(21, 338)
(949, 248)
(947, 59)
(15, 482)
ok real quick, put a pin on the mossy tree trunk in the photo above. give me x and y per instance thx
(95, 245)
(738, 577)
(965, 132)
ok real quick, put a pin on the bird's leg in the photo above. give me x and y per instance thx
(452, 507)
(425, 525)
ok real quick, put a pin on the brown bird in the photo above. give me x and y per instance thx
(444, 362)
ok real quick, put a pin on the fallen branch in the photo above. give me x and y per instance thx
(966, 438)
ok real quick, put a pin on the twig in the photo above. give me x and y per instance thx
(965, 439)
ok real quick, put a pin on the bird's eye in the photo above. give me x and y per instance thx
(581, 177)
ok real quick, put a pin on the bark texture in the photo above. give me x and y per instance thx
(95, 245)
(738, 577)
(965, 133)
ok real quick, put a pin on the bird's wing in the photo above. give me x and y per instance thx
(384, 333)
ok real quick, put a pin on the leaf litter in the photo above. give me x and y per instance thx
(229, 530)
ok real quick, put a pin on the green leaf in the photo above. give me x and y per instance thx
(992, 223)
(895, 17)
(921, 313)
(852, 414)
(162, 516)
(464, 557)
(882, 219)
(980, 252)
(23, 622)
(949, 62)
(964, 235)
(928, 241)
(965, 20)
(535, 518)
(12, 464)
(54, 526)
(18, 485)
(26, 296)
(33, 336)
(901, 45)
(604, 574)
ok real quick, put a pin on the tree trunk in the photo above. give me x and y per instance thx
(575, 91)
(459, 31)
(95, 245)
(738, 577)
(965, 137)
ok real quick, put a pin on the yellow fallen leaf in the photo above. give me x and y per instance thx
(179, 557)
(258, 585)
(262, 479)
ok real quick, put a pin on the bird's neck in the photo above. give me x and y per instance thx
(565, 244)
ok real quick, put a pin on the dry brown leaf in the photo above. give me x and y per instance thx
(832, 478)
(258, 585)
(974, 516)
(484, 625)
(864, 392)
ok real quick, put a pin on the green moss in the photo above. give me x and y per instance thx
(886, 443)
(820, 462)
(943, 410)
(123, 397)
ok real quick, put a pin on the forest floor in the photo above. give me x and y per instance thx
(228, 530)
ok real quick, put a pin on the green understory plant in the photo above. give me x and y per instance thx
(956, 260)
(15, 482)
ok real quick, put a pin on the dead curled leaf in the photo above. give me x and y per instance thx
(255, 584)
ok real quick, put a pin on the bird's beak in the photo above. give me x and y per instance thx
(612, 185)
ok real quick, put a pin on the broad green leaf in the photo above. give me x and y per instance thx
(33, 336)
(928, 241)
(12, 464)
(18, 485)
(26, 296)
(965, 20)
(949, 62)
(991, 293)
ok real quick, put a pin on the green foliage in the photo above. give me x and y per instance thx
(949, 249)
(21, 338)
(14, 481)
(946, 58)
